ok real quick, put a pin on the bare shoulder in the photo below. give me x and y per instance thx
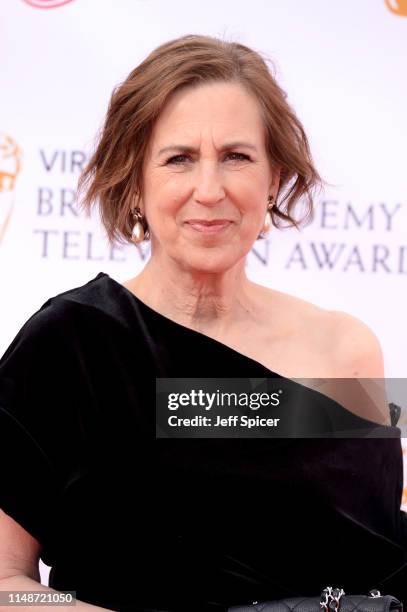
(330, 351)
(345, 343)
(356, 359)
(357, 349)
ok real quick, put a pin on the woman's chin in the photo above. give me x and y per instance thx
(210, 263)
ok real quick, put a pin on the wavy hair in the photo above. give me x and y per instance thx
(112, 177)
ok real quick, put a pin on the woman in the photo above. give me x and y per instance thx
(200, 153)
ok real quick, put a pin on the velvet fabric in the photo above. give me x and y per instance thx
(131, 522)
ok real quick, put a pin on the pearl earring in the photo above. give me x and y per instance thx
(137, 234)
(267, 219)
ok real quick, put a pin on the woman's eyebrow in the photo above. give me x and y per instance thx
(225, 147)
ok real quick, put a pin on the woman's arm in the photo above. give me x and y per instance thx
(19, 558)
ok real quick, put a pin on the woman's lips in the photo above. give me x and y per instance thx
(209, 228)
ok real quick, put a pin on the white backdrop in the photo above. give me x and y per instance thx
(341, 63)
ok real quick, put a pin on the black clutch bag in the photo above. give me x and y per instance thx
(331, 600)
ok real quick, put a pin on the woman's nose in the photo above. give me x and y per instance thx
(208, 183)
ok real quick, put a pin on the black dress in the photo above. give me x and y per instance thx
(131, 522)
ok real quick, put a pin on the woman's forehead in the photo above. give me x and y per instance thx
(222, 112)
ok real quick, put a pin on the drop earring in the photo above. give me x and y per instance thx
(137, 234)
(267, 219)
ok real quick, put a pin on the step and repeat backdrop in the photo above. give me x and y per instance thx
(342, 64)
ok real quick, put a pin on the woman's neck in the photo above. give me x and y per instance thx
(209, 303)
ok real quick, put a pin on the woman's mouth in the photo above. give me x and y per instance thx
(209, 227)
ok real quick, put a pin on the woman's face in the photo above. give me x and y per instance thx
(207, 161)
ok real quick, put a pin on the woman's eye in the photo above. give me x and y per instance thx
(173, 160)
(179, 159)
(241, 155)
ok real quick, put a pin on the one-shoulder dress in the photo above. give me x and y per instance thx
(130, 521)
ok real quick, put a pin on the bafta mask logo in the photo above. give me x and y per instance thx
(10, 164)
(399, 7)
(46, 4)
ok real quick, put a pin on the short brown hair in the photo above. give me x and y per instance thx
(113, 175)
